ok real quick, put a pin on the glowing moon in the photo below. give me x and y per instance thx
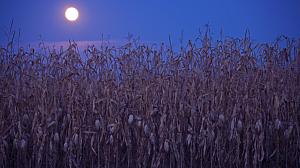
(72, 14)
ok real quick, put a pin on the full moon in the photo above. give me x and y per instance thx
(72, 14)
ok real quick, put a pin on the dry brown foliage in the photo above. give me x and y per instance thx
(231, 104)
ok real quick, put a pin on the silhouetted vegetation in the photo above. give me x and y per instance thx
(227, 104)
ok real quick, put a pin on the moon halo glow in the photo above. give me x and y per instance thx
(71, 14)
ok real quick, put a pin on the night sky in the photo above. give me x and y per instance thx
(152, 20)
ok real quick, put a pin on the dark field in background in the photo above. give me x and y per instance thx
(228, 104)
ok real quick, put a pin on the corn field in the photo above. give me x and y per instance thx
(229, 103)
